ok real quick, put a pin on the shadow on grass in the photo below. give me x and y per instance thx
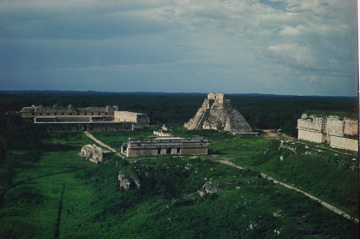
(214, 152)
(57, 147)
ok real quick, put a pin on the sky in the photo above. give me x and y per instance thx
(286, 47)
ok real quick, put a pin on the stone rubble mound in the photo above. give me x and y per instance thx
(127, 183)
(210, 188)
(93, 153)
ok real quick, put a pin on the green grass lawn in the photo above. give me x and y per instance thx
(59, 195)
(32, 204)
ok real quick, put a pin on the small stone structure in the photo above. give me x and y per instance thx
(217, 113)
(165, 145)
(340, 132)
(161, 133)
(93, 153)
(69, 118)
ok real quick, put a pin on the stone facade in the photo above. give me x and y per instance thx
(126, 116)
(165, 145)
(161, 133)
(69, 118)
(312, 136)
(338, 132)
(60, 111)
(217, 113)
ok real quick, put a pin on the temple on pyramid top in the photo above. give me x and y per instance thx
(217, 113)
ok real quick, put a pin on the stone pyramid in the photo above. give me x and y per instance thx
(217, 113)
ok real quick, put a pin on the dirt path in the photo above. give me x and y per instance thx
(102, 144)
(230, 164)
(325, 204)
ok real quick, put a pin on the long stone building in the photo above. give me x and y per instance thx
(339, 132)
(217, 113)
(109, 118)
(165, 145)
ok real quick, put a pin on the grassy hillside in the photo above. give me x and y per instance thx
(58, 194)
(327, 173)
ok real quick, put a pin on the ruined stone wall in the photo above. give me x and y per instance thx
(140, 152)
(343, 143)
(339, 132)
(311, 123)
(351, 127)
(60, 111)
(86, 126)
(194, 151)
(61, 119)
(335, 126)
(311, 136)
(126, 116)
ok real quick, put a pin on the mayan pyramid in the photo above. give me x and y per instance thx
(217, 113)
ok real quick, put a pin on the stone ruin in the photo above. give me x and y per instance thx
(165, 145)
(339, 132)
(93, 153)
(108, 118)
(217, 113)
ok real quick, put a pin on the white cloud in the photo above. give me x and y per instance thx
(293, 54)
(290, 31)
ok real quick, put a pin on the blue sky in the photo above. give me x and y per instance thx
(293, 47)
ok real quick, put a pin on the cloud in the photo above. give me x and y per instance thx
(293, 55)
(264, 46)
(291, 31)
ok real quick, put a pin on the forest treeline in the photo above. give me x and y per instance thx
(261, 111)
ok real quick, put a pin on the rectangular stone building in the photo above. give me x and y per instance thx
(57, 118)
(165, 145)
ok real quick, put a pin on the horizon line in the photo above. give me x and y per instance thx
(161, 92)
